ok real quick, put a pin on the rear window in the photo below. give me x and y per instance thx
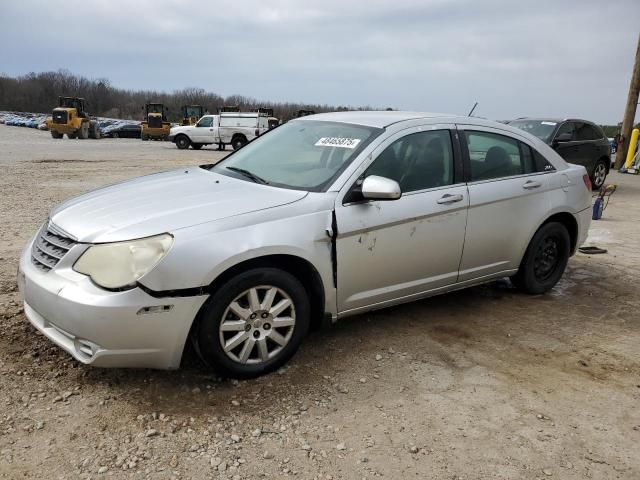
(543, 129)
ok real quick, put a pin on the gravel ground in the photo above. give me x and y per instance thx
(481, 383)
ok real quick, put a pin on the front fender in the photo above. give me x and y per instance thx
(201, 253)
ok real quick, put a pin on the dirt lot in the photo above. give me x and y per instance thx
(482, 383)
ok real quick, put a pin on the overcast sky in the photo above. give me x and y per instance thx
(516, 58)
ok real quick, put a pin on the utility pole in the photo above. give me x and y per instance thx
(630, 110)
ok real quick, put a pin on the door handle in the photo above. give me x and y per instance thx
(447, 198)
(530, 185)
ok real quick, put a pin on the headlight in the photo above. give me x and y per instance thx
(121, 264)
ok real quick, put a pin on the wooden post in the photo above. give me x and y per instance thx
(630, 110)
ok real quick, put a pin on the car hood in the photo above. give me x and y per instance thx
(180, 129)
(163, 202)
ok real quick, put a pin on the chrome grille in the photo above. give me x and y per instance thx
(49, 248)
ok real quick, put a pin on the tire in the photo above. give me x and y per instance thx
(144, 137)
(197, 146)
(83, 131)
(256, 331)
(545, 260)
(238, 142)
(72, 136)
(599, 174)
(56, 134)
(182, 142)
(95, 130)
(115, 135)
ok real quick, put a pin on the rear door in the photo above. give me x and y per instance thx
(506, 200)
(573, 150)
(392, 250)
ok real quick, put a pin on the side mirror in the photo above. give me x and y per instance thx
(380, 188)
(564, 137)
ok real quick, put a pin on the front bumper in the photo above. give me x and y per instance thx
(102, 328)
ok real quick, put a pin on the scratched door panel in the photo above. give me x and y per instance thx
(387, 250)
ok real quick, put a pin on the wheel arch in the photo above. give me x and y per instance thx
(303, 270)
(568, 220)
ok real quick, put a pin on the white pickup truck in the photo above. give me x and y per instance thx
(231, 128)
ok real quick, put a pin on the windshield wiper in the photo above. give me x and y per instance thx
(252, 176)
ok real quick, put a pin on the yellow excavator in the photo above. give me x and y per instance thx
(71, 118)
(155, 125)
(191, 114)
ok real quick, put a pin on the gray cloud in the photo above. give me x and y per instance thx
(560, 58)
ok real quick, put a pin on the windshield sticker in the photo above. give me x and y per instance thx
(549, 123)
(338, 142)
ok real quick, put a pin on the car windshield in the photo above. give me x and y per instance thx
(543, 129)
(302, 155)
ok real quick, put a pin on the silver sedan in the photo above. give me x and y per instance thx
(326, 216)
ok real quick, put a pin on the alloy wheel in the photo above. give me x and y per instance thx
(599, 174)
(257, 324)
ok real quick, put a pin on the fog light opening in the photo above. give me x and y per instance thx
(155, 309)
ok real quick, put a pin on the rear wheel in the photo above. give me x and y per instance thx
(83, 131)
(545, 260)
(56, 134)
(238, 142)
(72, 135)
(182, 142)
(599, 174)
(94, 131)
(254, 323)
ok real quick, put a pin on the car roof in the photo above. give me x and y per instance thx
(552, 119)
(378, 119)
(382, 119)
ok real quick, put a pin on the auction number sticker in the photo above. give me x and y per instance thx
(338, 142)
(549, 123)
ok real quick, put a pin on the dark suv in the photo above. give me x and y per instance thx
(577, 141)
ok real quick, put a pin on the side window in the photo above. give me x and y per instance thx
(495, 156)
(205, 122)
(417, 161)
(585, 131)
(567, 127)
(541, 163)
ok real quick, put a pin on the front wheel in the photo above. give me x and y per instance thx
(599, 174)
(253, 324)
(545, 260)
(182, 142)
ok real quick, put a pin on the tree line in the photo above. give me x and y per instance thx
(38, 92)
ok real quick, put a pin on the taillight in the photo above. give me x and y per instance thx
(587, 181)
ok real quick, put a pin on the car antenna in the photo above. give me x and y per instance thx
(474, 107)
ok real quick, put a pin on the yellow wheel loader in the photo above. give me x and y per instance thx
(71, 118)
(191, 114)
(155, 125)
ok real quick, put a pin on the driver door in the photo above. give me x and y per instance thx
(203, 131)
(388, 251)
